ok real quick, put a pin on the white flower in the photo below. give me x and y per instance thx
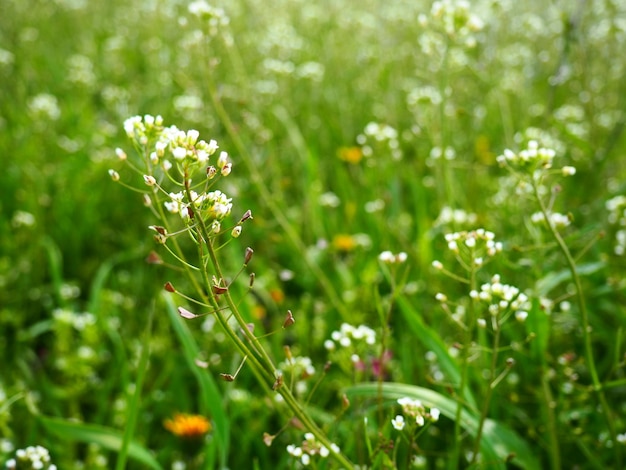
(398, 422)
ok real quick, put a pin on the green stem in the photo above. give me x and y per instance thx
(133, 408)
(593, 372)
(549, 405)
(258, 358)
(458, 429)
(488, 394)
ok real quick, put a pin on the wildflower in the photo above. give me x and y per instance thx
(455, 216)
(23, 219)
(351, 155)
(568, 171)
(149, 180)
(36, 457)
(120, 154)
(45, 106)
(557, 219)
(329, 199)
(398, 422)
(227, 169)
(344, 242)
(236, 231)
(187, 425)
(388, 257)
(528, 160)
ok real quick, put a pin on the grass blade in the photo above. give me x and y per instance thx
(104, 437)
(211, 398)
(498, 442)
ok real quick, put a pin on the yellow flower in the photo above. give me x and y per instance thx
(344, 242)
(277, 295)
(350, 154)
(189, 426)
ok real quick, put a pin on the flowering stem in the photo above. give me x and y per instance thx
(469, 333)
(489, 393)
(593, 372)
(258, 358)
(555, 453)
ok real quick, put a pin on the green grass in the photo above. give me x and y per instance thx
(95, 358)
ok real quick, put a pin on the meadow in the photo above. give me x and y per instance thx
(294, 234)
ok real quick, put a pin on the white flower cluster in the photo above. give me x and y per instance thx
(213, 205)
(347, 335)
(502, 298)
(449, 216)
(310, 448)
(44, 106)
(299, 366)
(79, 321)
(455, 19)
(36, 457)
(216, 17)
(617, 216)
(556, 219)
(388, 257)
(415, 411)
(377, 134)
(472, 246)
(190, 154)
(534, 157)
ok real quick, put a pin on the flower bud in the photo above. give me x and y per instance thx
(169, 287)
(246, 216)
(115, 176)
(568, 171)
(227, 169)
(289, 320)
(236, 231)
(248, 255)
(149, 180)
(120, 154)
(222, 160)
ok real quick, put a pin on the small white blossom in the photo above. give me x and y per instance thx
(398, 422)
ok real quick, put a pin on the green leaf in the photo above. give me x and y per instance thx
(498, 442)
(105, 437)
(211, 398)
(553, 279)
(431, 340)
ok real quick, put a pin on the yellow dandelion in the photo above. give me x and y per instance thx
(350, 154)
(277, 295)
(344, 242)
(188, 426)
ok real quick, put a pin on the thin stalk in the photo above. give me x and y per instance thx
(260, 362)
(488, 394)
(554, 449)
(469, 333)
(589, 359)
(133, 408)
